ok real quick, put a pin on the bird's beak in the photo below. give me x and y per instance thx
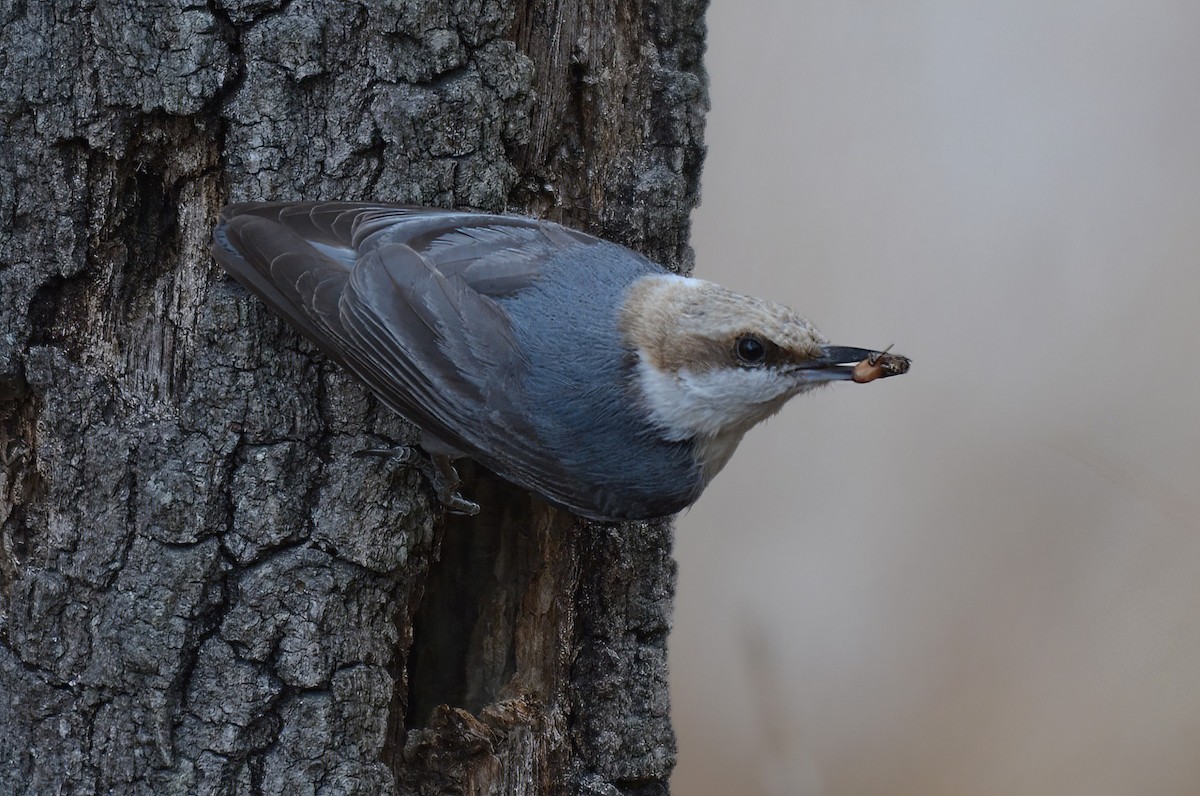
(841, 363)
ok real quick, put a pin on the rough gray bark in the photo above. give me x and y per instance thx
(201, 591)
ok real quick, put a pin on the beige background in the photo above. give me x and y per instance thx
(984, 577)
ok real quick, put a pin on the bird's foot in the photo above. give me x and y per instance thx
(438, 471)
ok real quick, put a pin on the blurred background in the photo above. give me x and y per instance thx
(982, 577)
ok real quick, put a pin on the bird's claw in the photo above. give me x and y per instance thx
(398, 454)
(457, 504)
(437, 470)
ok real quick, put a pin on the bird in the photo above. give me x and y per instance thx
(570, 366)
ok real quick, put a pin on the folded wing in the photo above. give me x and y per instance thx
(406, 299)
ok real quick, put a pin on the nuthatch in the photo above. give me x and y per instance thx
(570, 366)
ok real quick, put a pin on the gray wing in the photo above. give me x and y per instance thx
(405, 298)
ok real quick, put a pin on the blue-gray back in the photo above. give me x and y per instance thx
(580, 373)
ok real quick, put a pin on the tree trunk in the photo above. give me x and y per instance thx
(201, 590)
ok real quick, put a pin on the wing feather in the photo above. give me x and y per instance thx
(405, 298)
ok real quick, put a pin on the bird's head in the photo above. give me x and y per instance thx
(711, 363)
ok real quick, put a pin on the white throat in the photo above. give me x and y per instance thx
(714, 407)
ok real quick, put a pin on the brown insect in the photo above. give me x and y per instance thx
(880, 366)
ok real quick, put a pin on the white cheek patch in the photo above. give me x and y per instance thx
(711, 402)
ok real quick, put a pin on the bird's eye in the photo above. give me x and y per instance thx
(750, 349)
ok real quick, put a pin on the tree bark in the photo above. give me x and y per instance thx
(201, 590)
